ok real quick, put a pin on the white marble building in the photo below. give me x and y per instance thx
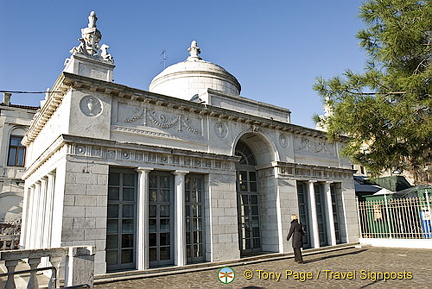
(189, 171)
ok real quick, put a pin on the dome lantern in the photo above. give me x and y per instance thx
(193, 77)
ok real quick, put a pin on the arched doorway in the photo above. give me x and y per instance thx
(248, 201)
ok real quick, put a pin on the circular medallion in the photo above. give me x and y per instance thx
(221, 129)
(283, 140)
(91, 106)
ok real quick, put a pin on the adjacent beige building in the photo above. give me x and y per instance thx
(14, 122)
(187, 172)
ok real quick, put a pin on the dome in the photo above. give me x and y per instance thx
(193, 76)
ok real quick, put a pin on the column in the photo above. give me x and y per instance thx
(143, 218)
(41, 212)
(49, 210)
(180, 258)
(313, 216)
(34, 216)
(24, 218)
(331, 233)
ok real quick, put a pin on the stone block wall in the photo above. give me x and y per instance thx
(351, 213)
(223, 217)
(85, 208)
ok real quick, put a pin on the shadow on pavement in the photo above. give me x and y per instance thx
(332, 256)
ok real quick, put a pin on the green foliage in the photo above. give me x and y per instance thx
(387, 109)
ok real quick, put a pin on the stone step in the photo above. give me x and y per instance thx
(161, 271)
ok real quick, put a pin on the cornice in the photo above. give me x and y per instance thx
(68, 81)
(47, 110)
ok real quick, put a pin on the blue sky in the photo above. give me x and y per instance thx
(276, 49)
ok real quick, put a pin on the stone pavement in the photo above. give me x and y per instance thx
(365, 267)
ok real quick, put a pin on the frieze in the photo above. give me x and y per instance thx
(315, 145)
(156, 158)
(314, 172)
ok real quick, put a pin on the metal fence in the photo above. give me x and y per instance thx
(408, 218)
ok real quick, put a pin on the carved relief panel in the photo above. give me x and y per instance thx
(158, 121)
(318, 146)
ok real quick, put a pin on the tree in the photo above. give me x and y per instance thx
(387, 110)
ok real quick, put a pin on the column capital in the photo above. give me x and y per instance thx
(180, 173)
(143, 170)
(51, 174)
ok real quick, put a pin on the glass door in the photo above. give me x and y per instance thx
(321, 217)
(335, 213)
(121, 216)
(303, 212)
(161, 219)
(248, 203)
(194, 214)
(248, 212)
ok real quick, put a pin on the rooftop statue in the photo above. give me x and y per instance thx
(194, 50)
(90, 37)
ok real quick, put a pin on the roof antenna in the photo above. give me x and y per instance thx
(164, 58)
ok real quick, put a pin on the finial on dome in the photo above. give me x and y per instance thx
(194, 50)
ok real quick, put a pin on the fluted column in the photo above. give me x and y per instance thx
(180, 258)
(313, 215)
(143, 218)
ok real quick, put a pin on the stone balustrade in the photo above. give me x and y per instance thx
(9, 242)
(78, 265)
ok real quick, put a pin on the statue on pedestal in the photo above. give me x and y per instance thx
(90, 37)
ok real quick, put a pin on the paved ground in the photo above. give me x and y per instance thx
(348, 268)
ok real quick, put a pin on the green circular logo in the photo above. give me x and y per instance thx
(226, 275)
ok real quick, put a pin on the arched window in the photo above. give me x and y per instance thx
(247, 156)
(17, 150)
